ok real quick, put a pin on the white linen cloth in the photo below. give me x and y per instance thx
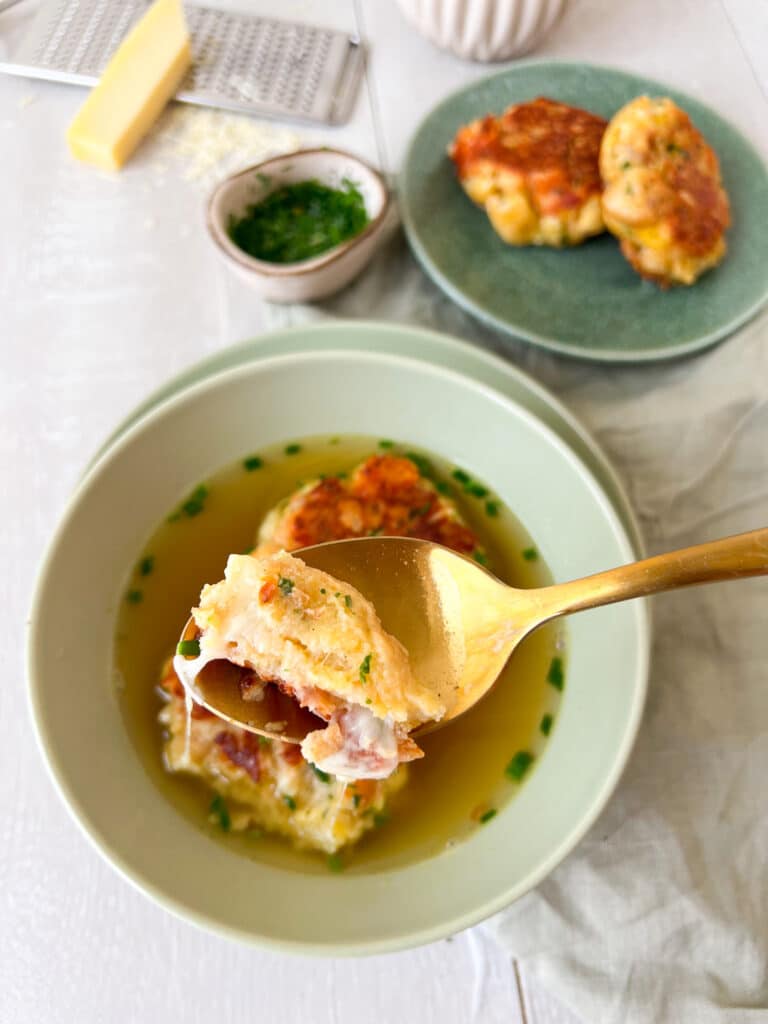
(661, 912)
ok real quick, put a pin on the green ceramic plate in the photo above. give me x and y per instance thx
(587, 301)
(418, 343)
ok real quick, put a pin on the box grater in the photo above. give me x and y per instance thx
(242, 62)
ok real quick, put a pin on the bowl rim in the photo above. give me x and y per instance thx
(137, 877)
(299, 268)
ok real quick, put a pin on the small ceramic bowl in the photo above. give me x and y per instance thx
(322, 275)
(258, 898)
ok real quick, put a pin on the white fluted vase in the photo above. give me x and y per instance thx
(483, 30)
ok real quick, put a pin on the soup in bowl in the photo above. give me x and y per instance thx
(250, 838)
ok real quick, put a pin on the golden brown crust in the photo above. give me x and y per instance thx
(663, 194)
(535, 169)
(385, 495)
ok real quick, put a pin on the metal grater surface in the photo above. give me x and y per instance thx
(242, 62)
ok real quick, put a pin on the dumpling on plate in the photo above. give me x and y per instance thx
(535, 171)
(663, 198)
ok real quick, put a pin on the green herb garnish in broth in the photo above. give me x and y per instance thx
(146, 565)
(546, 725)
(289, 802)
(492, 509)
(323, 776)
(556, 676)
(191, 506)
(299, 221)
(487, 815)
(461, 476)
(422, 463)
(334, 862)
(348, 600)
(519, 765)
(286, 586)
(293, 449)
(188, 648)
(386, 444)
(476, 490)
(530, 554)
(220, 812)
(252, 462)
(134, 597)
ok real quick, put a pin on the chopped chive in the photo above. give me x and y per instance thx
(365, 669)
(417, 513)
(546, 725)
(519, 765)
(134, 597)
(265, 741)
(193, 505)
(337, 594)
(530, 554)
(252, 462)
(556, 676)
(461, 476)
(323, 776)
(188, 648)
(380, 818)
(289, 802)
(492, 509)
(626, 165)
(220, 811)
(487, 815)
(334, 862)
(356, 798)
(292, 449)
(476, 490)
(422, 463)
(386, 444)
(146, 565)
(285, 586)
(442, 487)
(323, 590)
(480, 557)
(368, 700)
(347, 600)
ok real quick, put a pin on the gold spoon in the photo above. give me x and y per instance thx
(459, 623)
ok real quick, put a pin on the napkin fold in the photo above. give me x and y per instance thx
(661, 912)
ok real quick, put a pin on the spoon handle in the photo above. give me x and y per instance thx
(745, 554)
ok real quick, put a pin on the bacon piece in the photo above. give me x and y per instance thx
(241, 749)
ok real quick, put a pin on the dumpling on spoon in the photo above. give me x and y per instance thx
(322, 642)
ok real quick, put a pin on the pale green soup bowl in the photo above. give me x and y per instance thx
(208, 426)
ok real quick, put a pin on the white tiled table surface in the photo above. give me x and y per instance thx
(107, 287)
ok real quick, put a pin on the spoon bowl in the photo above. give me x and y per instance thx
(459, 624)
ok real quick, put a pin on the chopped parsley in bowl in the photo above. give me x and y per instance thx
(299, 221)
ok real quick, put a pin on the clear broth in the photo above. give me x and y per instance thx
(463, 772)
